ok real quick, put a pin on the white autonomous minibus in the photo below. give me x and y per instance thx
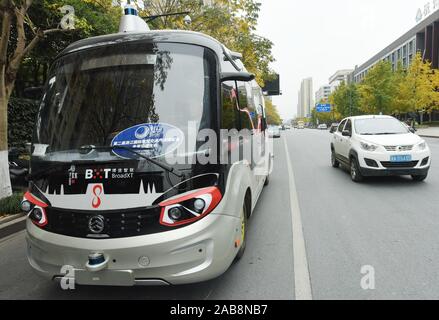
(110, 201)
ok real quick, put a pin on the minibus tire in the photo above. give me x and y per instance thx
(267, 179)
(244, 212)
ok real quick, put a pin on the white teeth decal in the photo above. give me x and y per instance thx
(152, 190)
(149, 190)
(107, 202)
(142, 190)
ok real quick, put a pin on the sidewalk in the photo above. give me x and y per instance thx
(12, 224)
(432, 132)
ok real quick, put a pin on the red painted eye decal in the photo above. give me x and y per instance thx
(189, 208)
(37, 210)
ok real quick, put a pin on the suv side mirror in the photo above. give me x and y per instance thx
(346, 133)
(237, 76)
(412, 130)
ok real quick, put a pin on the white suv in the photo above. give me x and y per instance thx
(379, 146)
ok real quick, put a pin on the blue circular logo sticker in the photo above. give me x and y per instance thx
(149, 139)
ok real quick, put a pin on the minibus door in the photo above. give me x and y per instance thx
(249, 120)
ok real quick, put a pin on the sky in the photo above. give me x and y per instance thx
(315, 38)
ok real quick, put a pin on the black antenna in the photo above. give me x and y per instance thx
(151, 18)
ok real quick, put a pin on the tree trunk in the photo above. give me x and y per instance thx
(5, 181)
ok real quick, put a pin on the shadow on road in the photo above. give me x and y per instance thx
(199, 291)
(390, 181)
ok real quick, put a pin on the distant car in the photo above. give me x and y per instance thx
(333, 127)
(287, 127)
(322, 127)
(274, 132)
(379, 146)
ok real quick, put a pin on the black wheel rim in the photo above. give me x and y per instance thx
(353, 171)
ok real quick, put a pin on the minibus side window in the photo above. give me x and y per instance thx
(259, 104)
(248, 111)
(230, 112)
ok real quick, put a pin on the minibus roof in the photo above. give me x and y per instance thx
(175, 36)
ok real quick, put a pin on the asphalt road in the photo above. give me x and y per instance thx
(388, 223)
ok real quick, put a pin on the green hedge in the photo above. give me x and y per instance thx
(21, 118)
(11, 205)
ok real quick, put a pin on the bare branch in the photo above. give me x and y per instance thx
(31, 25)
(40, 34)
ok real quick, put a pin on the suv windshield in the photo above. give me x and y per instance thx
(95, 95)
(379, 126)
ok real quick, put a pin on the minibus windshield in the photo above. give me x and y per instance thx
(122, 95)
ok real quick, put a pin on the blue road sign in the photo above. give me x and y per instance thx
(323, 108)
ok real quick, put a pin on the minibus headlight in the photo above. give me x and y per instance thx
(36, 209)
(26, 206)
(190, 207)
(175, 213)
(199, 205)
(38, 216)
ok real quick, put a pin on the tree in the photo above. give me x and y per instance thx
(323, 117)
(10, 60)
(346, 100)
(24, 25)
(417, 90)
(272, 114)
(92, 18)
(399, 104)
(233, 22)
(378, 89)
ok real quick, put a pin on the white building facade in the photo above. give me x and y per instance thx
(306, 99)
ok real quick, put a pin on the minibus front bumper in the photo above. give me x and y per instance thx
(199, 252)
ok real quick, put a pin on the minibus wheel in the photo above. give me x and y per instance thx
(267, 179)
(243, 239)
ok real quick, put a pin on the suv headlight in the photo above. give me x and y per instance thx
(368, 146)
(422, 145)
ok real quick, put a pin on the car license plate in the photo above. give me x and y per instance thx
(401, 158)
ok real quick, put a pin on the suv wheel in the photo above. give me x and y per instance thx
(356, 175)
(334, 161)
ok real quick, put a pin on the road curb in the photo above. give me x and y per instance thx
(425, 136)
(11, 225)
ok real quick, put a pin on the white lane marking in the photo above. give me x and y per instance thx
(302, 282)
